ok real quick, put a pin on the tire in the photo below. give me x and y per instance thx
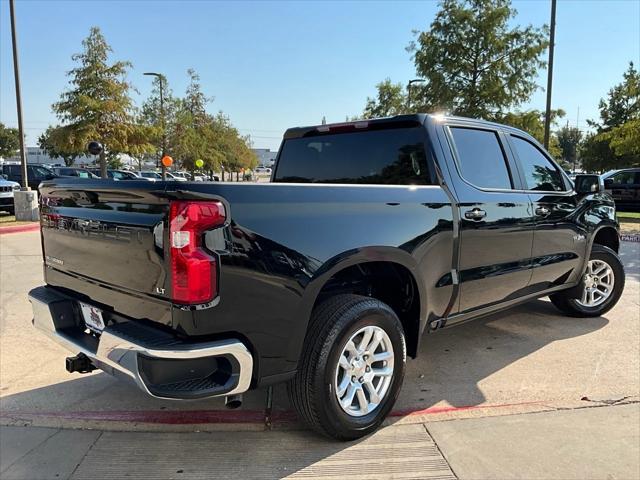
(314, 391)
(570, 301)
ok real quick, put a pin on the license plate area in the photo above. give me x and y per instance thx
(92, 317)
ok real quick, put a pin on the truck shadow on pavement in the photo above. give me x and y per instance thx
(451, 371)
(453, 363)
(482, 362)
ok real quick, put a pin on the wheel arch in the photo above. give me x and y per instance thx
(608, 236)
(372, 264)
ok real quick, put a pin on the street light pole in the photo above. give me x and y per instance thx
(16, 73)
(552, 37)
(162, 120)
(411, 82)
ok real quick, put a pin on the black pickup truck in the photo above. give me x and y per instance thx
(369, 234)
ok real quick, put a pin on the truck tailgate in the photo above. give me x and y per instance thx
(105, 234)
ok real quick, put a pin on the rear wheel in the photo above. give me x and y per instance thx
(601, 287)
(351, 368)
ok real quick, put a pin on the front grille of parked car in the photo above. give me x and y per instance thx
(6, 189)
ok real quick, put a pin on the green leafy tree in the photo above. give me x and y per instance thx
(475, 62)
(9, 141)
(190, 134)
(624, 140)
(197, 135)
(616, 140)
(390, 100)
(159, 117)
(569, 139)
(50, 142)
(98, 106)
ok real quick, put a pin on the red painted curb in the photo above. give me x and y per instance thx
(200, 417)
(19, 228)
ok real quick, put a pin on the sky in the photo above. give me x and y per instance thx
(273, 65)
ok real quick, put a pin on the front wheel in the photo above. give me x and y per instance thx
(351, 368)
(600, 289)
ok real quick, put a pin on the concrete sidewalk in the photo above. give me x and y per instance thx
(585, 443)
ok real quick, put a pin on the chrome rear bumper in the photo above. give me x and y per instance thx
(125, 352)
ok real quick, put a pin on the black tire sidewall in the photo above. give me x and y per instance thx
(329, 410)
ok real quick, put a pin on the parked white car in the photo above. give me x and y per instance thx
(176, 178)
(7, 188)
(150, 175)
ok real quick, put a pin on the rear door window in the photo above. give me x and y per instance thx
(540, 174)
(481, 159)
(395, 156)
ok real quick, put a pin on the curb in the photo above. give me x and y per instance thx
(20, 228)
(213, 420)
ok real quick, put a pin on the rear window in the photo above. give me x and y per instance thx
(393, 157)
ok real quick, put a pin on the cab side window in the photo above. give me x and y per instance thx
(481, 159)
(540, 174)
(625, 178)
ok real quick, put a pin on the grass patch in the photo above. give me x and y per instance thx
(7, 220)
(626, 215)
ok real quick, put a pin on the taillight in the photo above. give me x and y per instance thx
(193, 270)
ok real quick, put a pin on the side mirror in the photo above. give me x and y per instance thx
(588, 184)
(608, 183)
(4, 177)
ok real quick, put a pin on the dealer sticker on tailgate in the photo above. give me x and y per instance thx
(92, 317)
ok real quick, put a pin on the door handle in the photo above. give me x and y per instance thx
(475, 214)
(542, 211)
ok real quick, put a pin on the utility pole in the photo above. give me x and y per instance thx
(16, 73)
(411, 82)
(552, 38)
(162, 121)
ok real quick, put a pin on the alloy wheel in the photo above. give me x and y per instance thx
(364, 371)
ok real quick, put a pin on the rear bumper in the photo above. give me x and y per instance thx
(156, 362)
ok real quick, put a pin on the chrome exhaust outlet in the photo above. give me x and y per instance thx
(233, 401)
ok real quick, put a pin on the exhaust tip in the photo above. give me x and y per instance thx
(233, 401)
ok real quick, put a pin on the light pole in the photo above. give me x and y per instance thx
(16, 73)
(163, 152)
(552, 37)
(411, 82)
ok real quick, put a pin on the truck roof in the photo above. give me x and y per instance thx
(408, 120)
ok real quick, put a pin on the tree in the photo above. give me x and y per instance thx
(569, 139)
(616, 141)
(190, 135)
(622, 103)
(474, 62)
(49, 142)
(9, 141)
(532, 122)
(390, 100)
(624, 140)
(159, 118)
(98, 106)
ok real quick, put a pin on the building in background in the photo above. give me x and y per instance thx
(37, 155)
(266, 157)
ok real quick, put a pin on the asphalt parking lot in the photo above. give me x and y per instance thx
(529, 370)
